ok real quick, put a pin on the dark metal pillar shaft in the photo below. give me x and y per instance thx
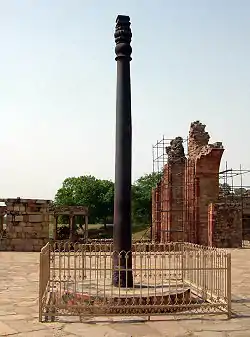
(122, 204)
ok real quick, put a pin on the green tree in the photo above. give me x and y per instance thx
(142, 197)
(88, 191)
(98, 196)
(105, 203)
(224, 189)
(241, 191)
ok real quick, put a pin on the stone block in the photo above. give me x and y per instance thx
(18, 208)
(37, 224)
(18, 218)
(35, 241)
(28, 229)
(26, 246)
(9, 218)
(46, 217)
(3, 244)
(9, 225)
(41, 242)
(37, 248)
(23, 235)
(36, 218)
(19, 235)
(45, 231)
(10, 207)
(225, 225)
(28, 236)
(13, 235)
(17, 242)
(37, 232)
(42, 202)
(26, 218)
(38, 242)
(45, 226)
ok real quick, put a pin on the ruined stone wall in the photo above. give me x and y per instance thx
(2, 214)
(27, 227)
(191, 212)
(156, 213)
(166, 203)
(224, 225)
(174, 176)
(206, 159)
(188, 186)
(177, 190)
(188, 196)
(168, 196)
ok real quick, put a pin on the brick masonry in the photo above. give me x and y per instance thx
(188, 187)
(156, 212)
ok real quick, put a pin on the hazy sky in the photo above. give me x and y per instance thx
(58, 79)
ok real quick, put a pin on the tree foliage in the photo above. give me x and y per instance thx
(142, 197)
(227, 190)
(98, 196)
(241, 191)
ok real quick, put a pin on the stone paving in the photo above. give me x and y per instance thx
(19, 308)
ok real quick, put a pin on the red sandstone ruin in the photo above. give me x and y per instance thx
(185, 203)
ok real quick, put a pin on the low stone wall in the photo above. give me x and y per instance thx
(27, 227)
(225, 225)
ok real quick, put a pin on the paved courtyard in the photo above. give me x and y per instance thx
(19, 308)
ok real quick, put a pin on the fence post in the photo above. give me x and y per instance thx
(229, 286)
(183, 264)
(40, 286)
(44, 276)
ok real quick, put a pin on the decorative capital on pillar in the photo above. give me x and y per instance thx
(123, 37)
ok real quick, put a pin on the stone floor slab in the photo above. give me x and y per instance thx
(139, 330)
(81, 329)
(19, 308)
(168, 328)
(5, 330)
(26, 326)
(208, 334)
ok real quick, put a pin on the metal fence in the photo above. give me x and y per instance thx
(171, 278)
(44, 278)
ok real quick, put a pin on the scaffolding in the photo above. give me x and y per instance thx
(172, 204)
(160, 156)
(177, 193)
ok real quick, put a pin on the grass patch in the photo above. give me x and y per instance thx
(141, 231)
(97, 231)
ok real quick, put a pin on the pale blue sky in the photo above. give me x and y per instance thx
(58, 78)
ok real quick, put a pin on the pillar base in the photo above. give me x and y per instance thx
(122, 270)
(123, 279)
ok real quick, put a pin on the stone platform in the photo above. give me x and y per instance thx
(100, 297)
